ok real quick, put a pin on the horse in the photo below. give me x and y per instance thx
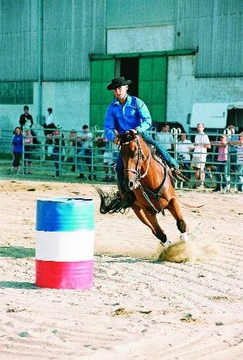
(152, 183)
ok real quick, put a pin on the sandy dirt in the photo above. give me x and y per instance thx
(187, 305)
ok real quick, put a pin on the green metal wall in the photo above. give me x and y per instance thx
(152, 86)
(102, 71)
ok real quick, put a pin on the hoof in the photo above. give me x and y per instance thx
(166, 244)
(184, 237)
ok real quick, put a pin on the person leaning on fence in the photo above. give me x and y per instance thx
(26, 122)
(72, 149)
(221, 171)
(49, 125)
(129, 113)
(84, 146)
(58, 146)
(109, 157)
(28, 151)
(239, 160)
(17, 150)
(232, 151)
(201, 145)
(165, 138)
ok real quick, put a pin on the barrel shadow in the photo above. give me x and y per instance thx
(16, 252)
(18, 285)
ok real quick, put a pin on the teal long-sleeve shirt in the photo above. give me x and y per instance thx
(133, 114)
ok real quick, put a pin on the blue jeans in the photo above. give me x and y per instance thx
(57, 160)
(221, 175)
(87, 155)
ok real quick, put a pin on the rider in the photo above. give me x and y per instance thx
(129, 113)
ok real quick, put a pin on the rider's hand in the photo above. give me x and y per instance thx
(116, 140)
(134, 131)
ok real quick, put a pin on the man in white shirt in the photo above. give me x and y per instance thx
(201, 145)
(165, 138)
(184, 149)
(49, 125)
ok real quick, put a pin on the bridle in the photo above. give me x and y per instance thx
(137, 171)
(140, 157)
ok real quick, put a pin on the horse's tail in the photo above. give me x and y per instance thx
(188, 205)
(113, 203)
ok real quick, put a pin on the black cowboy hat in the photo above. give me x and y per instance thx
(116, 83)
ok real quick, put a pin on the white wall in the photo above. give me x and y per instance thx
(69, 100)
(184, 89)
(129, 40)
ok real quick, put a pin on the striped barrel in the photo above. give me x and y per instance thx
(65, 243)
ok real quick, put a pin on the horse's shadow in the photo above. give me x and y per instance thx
(17, 252)
(125, 259)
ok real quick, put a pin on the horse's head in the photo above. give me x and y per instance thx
(135, 156)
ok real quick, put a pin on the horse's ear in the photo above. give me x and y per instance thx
(132, 134)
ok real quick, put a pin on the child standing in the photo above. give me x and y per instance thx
(17, 150)
(221, 172)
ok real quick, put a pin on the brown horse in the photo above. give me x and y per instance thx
(152, 184)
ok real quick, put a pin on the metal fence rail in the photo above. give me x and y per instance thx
(68, 161)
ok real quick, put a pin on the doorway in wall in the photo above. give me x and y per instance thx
(235, 117)
(129, 69)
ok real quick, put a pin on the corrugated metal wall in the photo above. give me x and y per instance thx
(72, 29)
(18, 40)
(216, 27)
(130, 13)
(75, 28)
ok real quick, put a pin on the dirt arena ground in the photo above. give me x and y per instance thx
(187, 305)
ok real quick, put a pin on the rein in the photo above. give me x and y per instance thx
(137, 171)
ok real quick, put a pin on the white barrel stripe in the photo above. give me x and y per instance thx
(65, 246)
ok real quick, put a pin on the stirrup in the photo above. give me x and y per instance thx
(177, 174)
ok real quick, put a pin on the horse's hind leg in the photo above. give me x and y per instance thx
(151, 221)
(175, 210)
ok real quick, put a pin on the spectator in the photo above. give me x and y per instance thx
(109, 158)
(49, 146)
(17, 150)
(221, 171)
(58, 146)
(202, 144)
(26, 123)
(84, 145)
(184, 149)
(239, 160)
(49, 125)
(28, 150)
(165, 138)
(72, 149)
(26, 120)
(233, 156)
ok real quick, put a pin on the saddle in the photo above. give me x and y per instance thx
(175, 174)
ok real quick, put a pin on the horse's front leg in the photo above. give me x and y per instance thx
(151, 221)
(174, 208)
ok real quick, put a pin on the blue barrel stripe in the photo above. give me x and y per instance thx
(63, 214)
